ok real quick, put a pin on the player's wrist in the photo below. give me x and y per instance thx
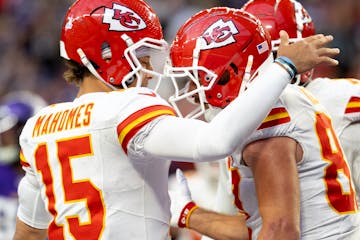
(288, 65)
(186, 213)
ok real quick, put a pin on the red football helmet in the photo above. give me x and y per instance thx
(288, 15)
(219, 50)
(108, 36)
(276, 15)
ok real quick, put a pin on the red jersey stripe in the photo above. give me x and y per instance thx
(23, 161)
(276, 116)
(132, 124)
(353, 105)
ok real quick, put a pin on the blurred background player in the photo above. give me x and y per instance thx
(277, 175)
(15, 109)
(340, 96)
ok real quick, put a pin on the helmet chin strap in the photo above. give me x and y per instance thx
(247, 75)
(195, 64)
(91, 68)
(127, 40)
(130, 76)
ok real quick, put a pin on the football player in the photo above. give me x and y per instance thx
(289, 179)
(97, 167)
(341, 97)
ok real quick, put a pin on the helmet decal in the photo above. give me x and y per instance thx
(263, 47)
(106, 36)
(302, 17)
(69, 23)
(219, 34)
(217, 52)
(121, 18)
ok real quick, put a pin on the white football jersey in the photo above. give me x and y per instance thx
(328, 203)
(341, 97)
(89, 184)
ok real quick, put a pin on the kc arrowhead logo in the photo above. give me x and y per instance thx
(219, 34)
(121, 18)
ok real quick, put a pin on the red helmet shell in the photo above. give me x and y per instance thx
(228, 37)
(288, 15)
(94, 25)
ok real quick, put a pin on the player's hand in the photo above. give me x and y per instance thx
(182, 204)
(308, 52)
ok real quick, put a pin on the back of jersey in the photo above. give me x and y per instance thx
(341, 97)
(327, 198)
(92, 189)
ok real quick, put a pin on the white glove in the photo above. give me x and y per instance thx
(182, 204)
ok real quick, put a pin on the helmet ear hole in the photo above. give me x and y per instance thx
(106, 53)
(225, 78)
(234, 67)
(130, 80)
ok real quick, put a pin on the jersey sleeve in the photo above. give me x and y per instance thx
(194, 140)
(352, 109)
(31, 209)
(145, 108)
(128, 128)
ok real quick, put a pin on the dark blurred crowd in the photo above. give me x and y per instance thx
(29, 39)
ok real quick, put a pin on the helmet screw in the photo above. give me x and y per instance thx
(207, 78)
(112, 79)
(219, 95)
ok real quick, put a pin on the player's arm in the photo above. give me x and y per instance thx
(199, 141)
(186, 214)
(32, 216)
(273, 162)
(24, 231)
(217, 225)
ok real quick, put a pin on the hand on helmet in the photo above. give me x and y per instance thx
(308, 52)
(182, 204)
